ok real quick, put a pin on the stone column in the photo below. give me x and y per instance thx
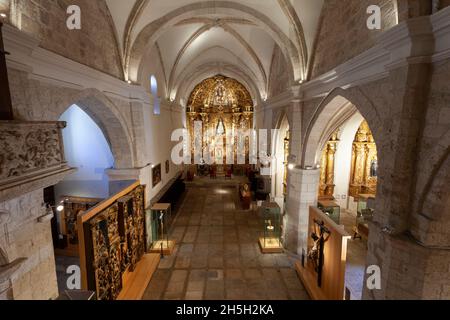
(294, 179)
(302, 193)
(295, 127)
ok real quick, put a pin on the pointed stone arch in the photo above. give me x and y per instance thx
(114, 127)
(189, 78)
(324, 112)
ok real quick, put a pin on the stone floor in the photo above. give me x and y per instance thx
(356, 257)
(217, 254)
(62, 263)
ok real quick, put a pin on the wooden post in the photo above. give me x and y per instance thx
(6, 112)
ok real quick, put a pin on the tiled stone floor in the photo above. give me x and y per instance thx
(62, 263)
(217, 254)
(356, 257)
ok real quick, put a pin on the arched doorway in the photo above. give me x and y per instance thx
(90, 146)
(347, 191)
(340, 146)
(86, 149)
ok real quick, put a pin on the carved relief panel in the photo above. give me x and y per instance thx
(26, 148)
(118, 243)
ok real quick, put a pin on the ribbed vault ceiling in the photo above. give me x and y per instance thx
(202, 38)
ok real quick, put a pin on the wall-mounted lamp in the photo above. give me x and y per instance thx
(49, 214)
(291, 166)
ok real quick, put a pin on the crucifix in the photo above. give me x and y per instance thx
(6, 112)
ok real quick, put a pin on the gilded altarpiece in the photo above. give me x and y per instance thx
(114, 243)
(286, 161)
(326, 187)
(223, 105)
(363, 176)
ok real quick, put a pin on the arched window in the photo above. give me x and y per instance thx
(154, 91)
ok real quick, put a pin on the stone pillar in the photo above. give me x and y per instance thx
(409, 78)
(295, 127)
(30, 273)
(408, 270)
(302, 193)
(406, 266)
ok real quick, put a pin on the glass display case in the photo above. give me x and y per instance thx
(159, 218)
(270, 240)
(364, 215)
(331, 209)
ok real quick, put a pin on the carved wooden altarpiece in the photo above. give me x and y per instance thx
(114, 242)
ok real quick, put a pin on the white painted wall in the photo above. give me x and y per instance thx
(158, 131)
(278, 173)
(343, 159)
(87, 150)
(158, 127)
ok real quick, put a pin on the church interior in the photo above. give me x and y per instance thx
(225, 150)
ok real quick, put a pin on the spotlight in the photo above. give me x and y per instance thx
(60, 208)
(3, 15)
(129, 81)
(291, 166)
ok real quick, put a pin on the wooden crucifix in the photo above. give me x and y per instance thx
(6, 112)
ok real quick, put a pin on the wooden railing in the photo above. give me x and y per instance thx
(112, 241)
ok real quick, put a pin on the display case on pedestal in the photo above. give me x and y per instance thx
(270, 240)
(330, 208)
(364, 215)
(161, 218)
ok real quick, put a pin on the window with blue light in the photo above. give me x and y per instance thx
(86, 149)
(154, 91)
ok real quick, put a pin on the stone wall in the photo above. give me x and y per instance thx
(430, 222)
(4, 6)
(21, 235)
(35, 100)
(343, 33)
(94, 45)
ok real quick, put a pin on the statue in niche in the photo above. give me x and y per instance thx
(374, 168)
